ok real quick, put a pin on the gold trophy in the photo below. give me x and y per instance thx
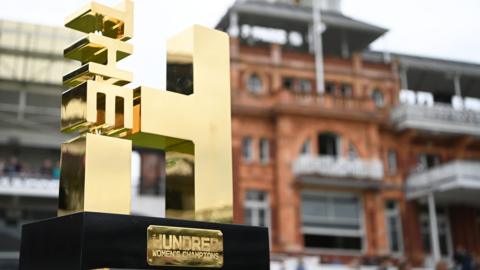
(190, 122)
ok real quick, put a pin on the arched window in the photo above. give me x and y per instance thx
(254, 83)
(378, 98)
(328, 144)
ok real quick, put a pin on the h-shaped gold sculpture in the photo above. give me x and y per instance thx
(190, 121)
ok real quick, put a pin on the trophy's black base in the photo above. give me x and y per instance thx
(95, 240)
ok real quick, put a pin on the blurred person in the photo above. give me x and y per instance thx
(47, 168)
(151, 172)
(282, 265)
(336, 261)
(385, 263)
(441, 265)
(462, 260)
(477, 262)
(56, 171)
(355, 263)
(13, 167)
(404, 265)
(301, 264)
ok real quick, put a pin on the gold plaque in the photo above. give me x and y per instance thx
(178, 246)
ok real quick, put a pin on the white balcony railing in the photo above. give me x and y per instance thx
(453, 175)
(437, 118)
(29, 186)
(338, 167)
(151, 205)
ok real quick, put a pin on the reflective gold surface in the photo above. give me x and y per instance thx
(95, 167)
(95, 175)
(193, 121)
(99, 55)
(190, 121)
(115, 23)
(178, 246)
(97, 105)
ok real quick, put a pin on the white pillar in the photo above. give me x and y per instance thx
(317, 40)
(457, 85)
(434, 239)
(22, 105)
(403, 78)
(233, 29)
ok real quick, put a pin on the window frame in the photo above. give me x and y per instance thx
(423, 160)
(392, 153)
(304, 82)
(443, 219)
(395, 213)
(257, 86)
(264, 154)
(360, 233)
(332, 90)
(347, 90)
(255, 206)
(249, 157)
(374, 95)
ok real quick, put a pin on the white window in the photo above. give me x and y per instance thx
(394, 227)
(378, 98)
(247, 149)
(254, 84)
(257, 209)
(264, 150)
(392, 161)
(332, 220)
(305, 86)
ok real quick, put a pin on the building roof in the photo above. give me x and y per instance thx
(298, 18)
(301, 14)
(426, 63)
(433, 74)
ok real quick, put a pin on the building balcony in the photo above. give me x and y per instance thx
(436, 118)
(35, 186)
(307, 104)
(338, 167)
(456, 181)
(29, 186)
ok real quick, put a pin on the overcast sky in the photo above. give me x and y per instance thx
(437, 28)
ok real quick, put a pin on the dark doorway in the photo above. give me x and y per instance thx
(327, 144)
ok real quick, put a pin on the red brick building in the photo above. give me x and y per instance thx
(364, 167)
